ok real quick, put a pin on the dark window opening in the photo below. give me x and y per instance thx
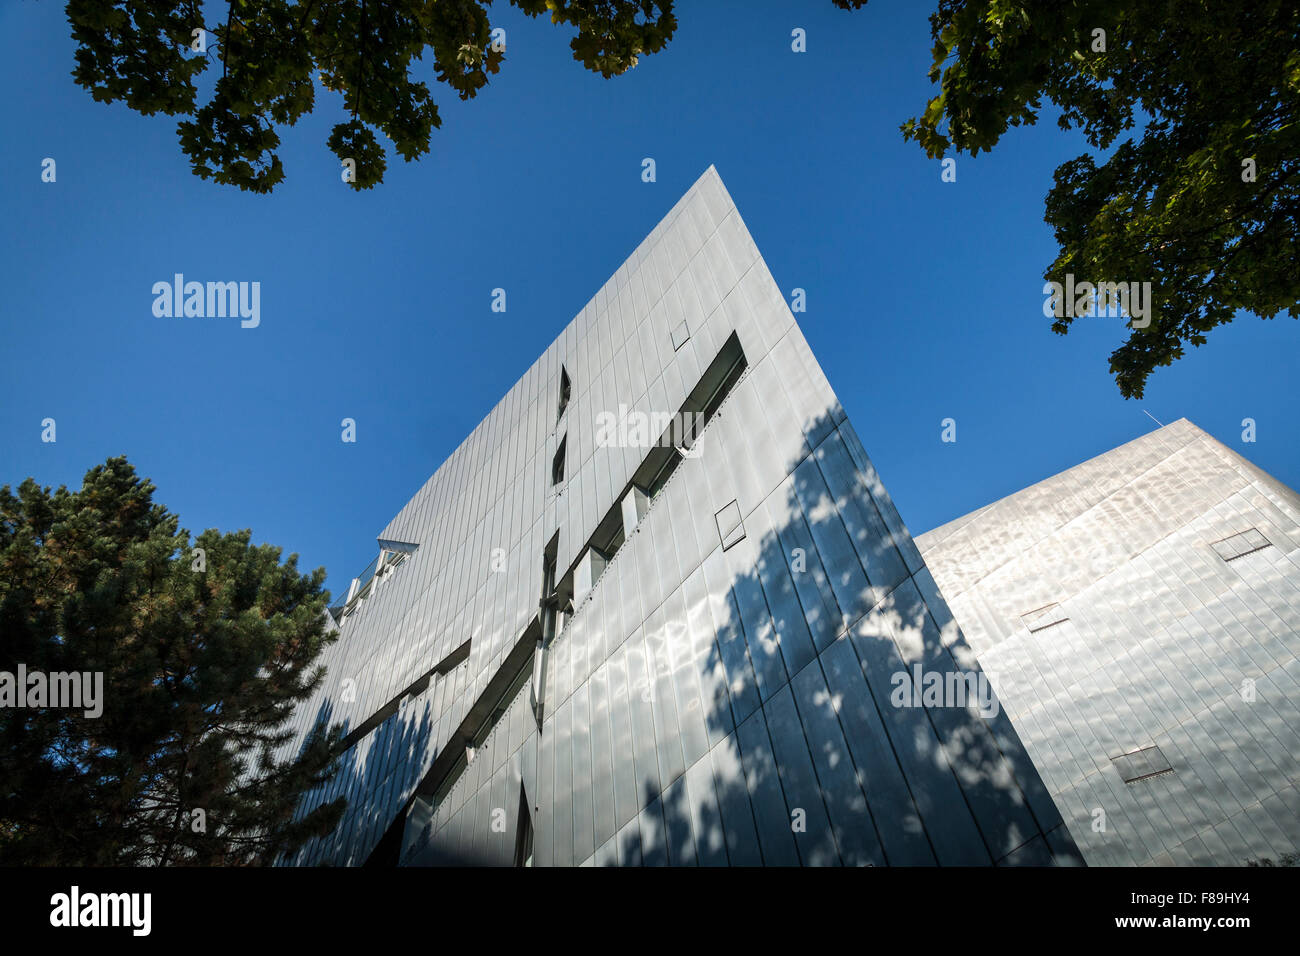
(524, 832)
(697, 411)
(565, 389)
(549, 625)
(551, 599)
(557, 598)
(415, 689)
(718, 379)
(663, 459)
(662, 463)
(454, 757)
(484, 717)
(501, 706)
(449, 663)
(557, 465)
(608, 541)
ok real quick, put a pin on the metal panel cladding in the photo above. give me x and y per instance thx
(670, 525)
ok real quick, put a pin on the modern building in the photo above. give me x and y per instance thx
(1139, 616)
(655, 610)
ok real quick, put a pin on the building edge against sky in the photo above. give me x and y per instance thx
(1138, 615)
(655, 609)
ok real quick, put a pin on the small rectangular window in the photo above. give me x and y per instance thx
(1043, 618)
(730, 527)
(557, 466)
(1239, 545)
(681, 335)
(524, 832)
(565, 388)
(1141, 764)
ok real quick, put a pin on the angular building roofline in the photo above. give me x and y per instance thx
(1137, 615)
(1083, 487)
(709, 177)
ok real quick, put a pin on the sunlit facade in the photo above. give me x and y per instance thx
(1139, 617)
(652, 611)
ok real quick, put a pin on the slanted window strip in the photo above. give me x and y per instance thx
(1239, 545)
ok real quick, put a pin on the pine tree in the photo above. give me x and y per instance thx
(204, 655)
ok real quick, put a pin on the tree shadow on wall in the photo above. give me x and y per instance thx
(798, 655)
(762, 714)
(374, 774)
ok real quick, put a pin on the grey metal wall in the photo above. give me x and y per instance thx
(704, 705)
(1161, 634)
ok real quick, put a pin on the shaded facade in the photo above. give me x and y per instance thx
(651, 611)
(1139, 616)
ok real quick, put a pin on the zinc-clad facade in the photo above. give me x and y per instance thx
(678, 653)
(1139, 616)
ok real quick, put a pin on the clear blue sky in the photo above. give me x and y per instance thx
(924, 298)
